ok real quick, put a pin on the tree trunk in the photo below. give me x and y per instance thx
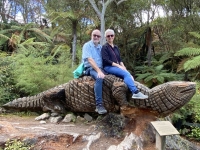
(102, 14)
(149, 43)
(3, 11)
(74, 33)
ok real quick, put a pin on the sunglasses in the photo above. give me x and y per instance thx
(94, 35)
(110, 36)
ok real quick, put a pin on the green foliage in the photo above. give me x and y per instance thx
(182, 113)
(25, 113)
(191, 112)
(155, 74)
(189, 51)
(6, 79)
(35, 70)
(194, 134)
(16, 145)
(195, 34)
(192, 60)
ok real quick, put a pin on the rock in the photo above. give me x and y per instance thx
(55, 119)
(91, 139)
(43, 122)
(55, 114)
(175, 142)
(43, 116)
(80, 119)
(69, 118)
(127, 143)
(88, 117)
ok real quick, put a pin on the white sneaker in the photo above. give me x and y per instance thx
(139, 95)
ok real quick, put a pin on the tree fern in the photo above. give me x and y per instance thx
(35, 74)
(192, 63)
(181, 65)
(4, 37)
(154, 75)
(195, 34)
(192, 54)
(189, 51)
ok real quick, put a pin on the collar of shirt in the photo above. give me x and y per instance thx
(92, 44)
(107, 44)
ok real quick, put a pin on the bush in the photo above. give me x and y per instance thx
(6, 80)
(187, 118)
(16, 145)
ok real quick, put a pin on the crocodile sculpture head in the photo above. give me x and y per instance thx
(78, 96)
(168, 97)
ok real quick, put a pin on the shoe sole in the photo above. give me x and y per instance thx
(101, 113)
(139, 98)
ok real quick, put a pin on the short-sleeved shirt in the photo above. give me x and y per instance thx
(110, 55)
(90, 50)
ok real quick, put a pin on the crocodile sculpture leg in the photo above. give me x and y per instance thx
(54, 100)
(119, 91)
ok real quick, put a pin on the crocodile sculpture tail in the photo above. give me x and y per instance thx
(31, 103)
(49, 100)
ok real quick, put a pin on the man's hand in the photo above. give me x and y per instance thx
(100, 74)
(121, 67)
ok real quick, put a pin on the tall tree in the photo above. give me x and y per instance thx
(4, 11)
(101, 14)
(67, 14)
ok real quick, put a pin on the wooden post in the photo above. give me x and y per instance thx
(163, 128)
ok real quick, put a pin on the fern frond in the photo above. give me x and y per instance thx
(22, 48)
(192, 63)
(29, 41)
(42, 34)
(189, 51)
(14, 27)
(160, 79)
(195, 34)
(149, 78)
(158, 68)
(181, 65)
(169, 76)
(142, 76)
(7, 31)
(165, 57)
(4, 37)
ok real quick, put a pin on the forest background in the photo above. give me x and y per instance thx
(41, 49)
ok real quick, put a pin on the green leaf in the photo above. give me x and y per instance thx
(189, 51)
(192, 64)
(142, 76)
(149, 78)
(160, 67)
(161, 79)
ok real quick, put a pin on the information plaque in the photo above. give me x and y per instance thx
(164, 128)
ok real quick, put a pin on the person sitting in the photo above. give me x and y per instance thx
(113, 64)
(91, 57)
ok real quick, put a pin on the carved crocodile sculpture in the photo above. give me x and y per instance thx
(78, 96)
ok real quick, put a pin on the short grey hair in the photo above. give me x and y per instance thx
(109, 30)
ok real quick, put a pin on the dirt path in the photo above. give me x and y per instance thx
(62, 136)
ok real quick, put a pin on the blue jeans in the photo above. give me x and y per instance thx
(125, 75)
(97, 86)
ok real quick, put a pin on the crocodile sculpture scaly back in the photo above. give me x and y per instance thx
(78, 96)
